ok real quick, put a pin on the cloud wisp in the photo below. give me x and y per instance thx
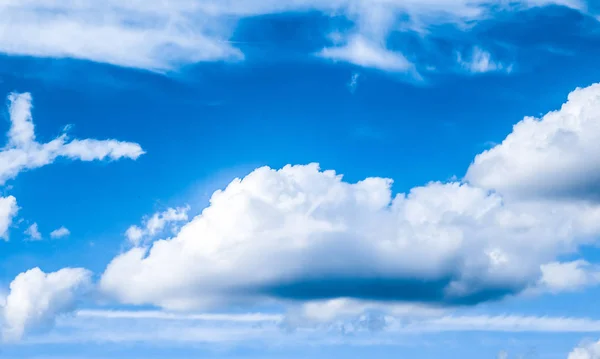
(153, 327)
(163, 36)
(23, 152)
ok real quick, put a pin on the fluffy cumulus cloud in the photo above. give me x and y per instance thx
(23, 152)
(156, 224)
(586, 351)
(569, 276)
(162, 35)
(8, 210)
(556, 156)
(301, 233)
(37, 298)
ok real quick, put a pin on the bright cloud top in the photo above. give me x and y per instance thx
(36, 298)
(156, 224)
(23, 152)
(554, 156)
(160, 35)
(300, 233)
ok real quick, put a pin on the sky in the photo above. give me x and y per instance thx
(261, 179)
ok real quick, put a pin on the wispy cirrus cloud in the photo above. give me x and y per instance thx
(162, 36)
(479, 61)
(107, 326)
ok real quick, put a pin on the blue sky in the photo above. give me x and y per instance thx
(466, 220)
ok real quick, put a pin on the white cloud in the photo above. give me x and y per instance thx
(505, 323)
(362, 52)
(481, 61)
(60, 233)
(160, 315)
(8, 210)
(33, 233)
(134, 234)
(23, 152)
(345, 308)
(267, 329)
(569, 276)
(304, 234)
(586, 350)
(272, 234)
(37, 298)
(162, 35)
(156, 224)
(353, 84)
(557, 155)
(149, 35)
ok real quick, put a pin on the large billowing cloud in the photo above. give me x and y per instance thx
(161, 35)
(36, 298)
(300, 233)
(557, 155)
(23, 152)
(155, 224)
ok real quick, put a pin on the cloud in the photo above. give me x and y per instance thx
(60, 233)
(299, 233)
(147, 35)
(569, 276)
(481, 61)
(303, 234)
(8, 211)
(160, 35)
(37, 298)
(153, 327)
(586, 350)
(23, 152)
(353, 84)
(362, 52)
(507, 323)
(555, 156)
(33, 233)
(161, 315)
(156, 224)
(328, 311)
